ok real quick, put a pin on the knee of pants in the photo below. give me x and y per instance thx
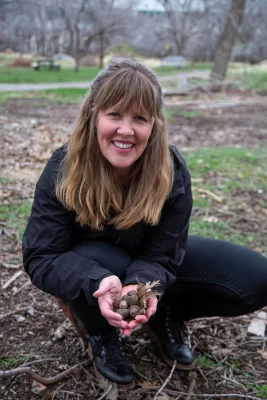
(108, 255)
(256, 293)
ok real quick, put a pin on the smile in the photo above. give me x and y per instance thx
(123, 145)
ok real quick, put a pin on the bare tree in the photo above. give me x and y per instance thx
(183, 17)
(108, 20)
(72, 13)
(227, 39)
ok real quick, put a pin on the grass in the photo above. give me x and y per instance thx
(261, 391)
(239, 171)
(205, 360)
(16, 215)
(48, 97)
(8, 363)
(28, 75)
(238, 168)
(249, 76)
(170, 113)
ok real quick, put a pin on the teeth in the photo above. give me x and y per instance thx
(123, 145)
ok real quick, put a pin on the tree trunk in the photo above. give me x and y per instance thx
(227, 40)
(101, 49)
(77, 64)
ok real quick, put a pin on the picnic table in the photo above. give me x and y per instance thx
(48, 64)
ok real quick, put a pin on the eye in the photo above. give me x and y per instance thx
(140, 118)
(114, 114)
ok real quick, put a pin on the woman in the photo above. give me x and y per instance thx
(112, 209)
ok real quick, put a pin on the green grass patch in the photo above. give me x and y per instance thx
(16, 215)
(47, 97)
(220, 230)
(28, 75)
(205, 360)
(237, 168)
(170, 113)
(261, 391)
(249, 77)
(238, 171)
(7, 363)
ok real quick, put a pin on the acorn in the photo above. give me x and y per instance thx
(116, 303)
(130, 299)
(124, 312)
(123, 304)
(135, 302)
(132, 293)
(134, 310)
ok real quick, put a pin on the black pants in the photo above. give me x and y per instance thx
(217, 278)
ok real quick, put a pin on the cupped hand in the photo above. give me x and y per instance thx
(109, 288)
(152, 303)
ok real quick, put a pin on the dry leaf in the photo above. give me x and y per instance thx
(257, 325)
(60, 332)
(105, 385)
(263, 354)
(37, 387)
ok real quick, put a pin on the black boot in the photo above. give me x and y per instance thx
(168, 334)
(109, 361)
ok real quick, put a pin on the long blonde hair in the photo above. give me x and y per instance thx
(86, 182)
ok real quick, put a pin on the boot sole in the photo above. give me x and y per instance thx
(100, 376)
(169, 361)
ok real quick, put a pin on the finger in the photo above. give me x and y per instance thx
(152, 307)
(127, 332)
(133, 324)
(141, 319)
(101, 291)
(109, 314)
(118, 324)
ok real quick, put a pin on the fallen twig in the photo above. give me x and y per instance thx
(222, 395)
(2, 316)
(210, 194)
(22, 287)
(192, 377)
(11, 266)
(166, 381)
(106, 392)
(12, 279)
(38, 378)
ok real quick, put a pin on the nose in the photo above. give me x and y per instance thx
(125, 127)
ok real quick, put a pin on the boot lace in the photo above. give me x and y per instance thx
(175, 330)
(112, 346)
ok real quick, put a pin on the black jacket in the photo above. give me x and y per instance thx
(51, 233)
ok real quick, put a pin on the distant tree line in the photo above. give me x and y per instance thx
(192, 28)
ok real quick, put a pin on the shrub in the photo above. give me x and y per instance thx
(123, 50)
(89, 61)
(20, 62)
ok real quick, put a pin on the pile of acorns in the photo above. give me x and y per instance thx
(134, 302)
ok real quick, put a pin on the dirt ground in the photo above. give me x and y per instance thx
(34, 332)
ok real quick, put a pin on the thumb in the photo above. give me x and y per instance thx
(103, 289)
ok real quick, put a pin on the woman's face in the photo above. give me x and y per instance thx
(123, 137)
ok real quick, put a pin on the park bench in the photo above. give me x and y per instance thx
(47, 64)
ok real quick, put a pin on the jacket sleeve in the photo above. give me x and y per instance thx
(165, 244)
(47, 256)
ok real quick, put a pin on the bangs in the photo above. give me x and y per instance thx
(128, 88)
